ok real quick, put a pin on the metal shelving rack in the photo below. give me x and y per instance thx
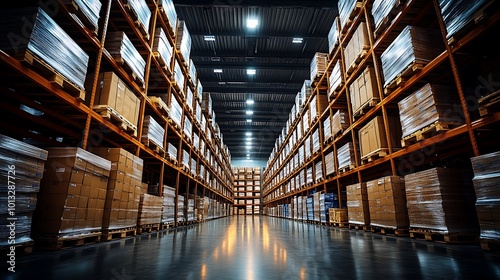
(247, 187)
(455, 66)
(67, 121)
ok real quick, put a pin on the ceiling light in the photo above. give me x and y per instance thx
(252, 22)
(209, 38)
(217, 70)
(249, 139)
(251, 71)
(297, 40)
(250, 102)
(249, 113)
(248, 134)
(249, 120)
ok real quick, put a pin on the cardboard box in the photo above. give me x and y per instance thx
(364, 89)
(372, 137)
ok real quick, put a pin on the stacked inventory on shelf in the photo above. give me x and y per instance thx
(22, 169)
(247, 190)
(150, 210)
(114, 85)
(400, 99)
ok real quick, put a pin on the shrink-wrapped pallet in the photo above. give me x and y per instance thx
(327, 129)
(45, 39)
(185, 159)
(153, 131)
(339, 122)
(413, 46)
(22, 167)
(141, 9)
(162, 49)
(387, 203)
(333, 36)
(441, 199)
(309, 179)
(318, 65)
(181, 207)
(335, 80)
(179, 77)
(457, 14)
(183, 41)
(346, 9)
(307, 148)
(172, 151)
(345, 156)
(315, 141)
(193, 76)
(329, 163)
(319, 171)
(357, 204)
(124, 52)
(176, 111)
(189, 99)
(188, 128)
(486, 181)
(150, 210)
(382, 9)
(91, 10)
(428, 105)
(168, 10)
(206, 104)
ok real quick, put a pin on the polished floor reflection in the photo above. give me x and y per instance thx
(253, 247)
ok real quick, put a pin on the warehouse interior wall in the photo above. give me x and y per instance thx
(248, 163)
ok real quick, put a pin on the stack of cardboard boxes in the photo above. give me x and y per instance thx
(387, 203)
(150, 210)
(357, 204)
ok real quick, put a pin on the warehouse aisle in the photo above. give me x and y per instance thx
(246, 247)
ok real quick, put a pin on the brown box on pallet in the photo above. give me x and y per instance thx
(364, 89)
(386, 210)
(357, 204)
(355, 46)
(372, 137)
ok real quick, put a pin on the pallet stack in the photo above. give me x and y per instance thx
(168, 214)
(125, 54)
(357, 204)
(150, 211)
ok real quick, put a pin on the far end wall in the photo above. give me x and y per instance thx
(248, 163)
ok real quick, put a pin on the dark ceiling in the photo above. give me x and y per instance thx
(281, 66)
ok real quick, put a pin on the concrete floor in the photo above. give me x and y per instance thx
(246, 247)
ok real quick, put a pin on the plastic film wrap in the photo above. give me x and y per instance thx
(441, 199)
(122, 49)
(381, 9)
(315, 141)
(319, 171)
(150, 210)
(206, 104)
(179, 76)
(188, 128)
(141, 8)
(346, 7)
(457, 14)
(192, 72)
(185, 159)
(46, 40)
(168, 9)
(162, 46)
(80, 155)
(345, 155)
(183, 42)
(91, 10)
(357, 204)
(307, 148)
(153, 131)
(333, 36)
(176, 111)
(327, 129)
(486, 181)
(335, 79)
(387, 202)
(429, 104)
(318, 66)
(329, 163)
(339, 122)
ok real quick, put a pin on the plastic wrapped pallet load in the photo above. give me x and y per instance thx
(486, 181)
(188, 128)
(329, 164)
(318, 66)
(22, 168)
(457, 14)
(153, 132)
(124, 52)
(346, 9)
(168, 10)
(345, 156)
(45, 41)
(179, 77)
(333, 36)
(162, 48)
(91, 10)
(426, 106)
(339, 122)
(327, 129)
(183, 42)
(176, 111)
(335, 80)
(168, 213)
(414, 46)
(382, 9)
(441, 199)
(319, 171)
(150, 210)
(140, 11)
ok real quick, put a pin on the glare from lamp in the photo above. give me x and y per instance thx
(250, 102)
(252, 23)
(297, 40)
(249, 113)
(217, 70)
(249, 120)
(251, 71)
(209, 38)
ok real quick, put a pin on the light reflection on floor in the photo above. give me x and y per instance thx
(253, 247)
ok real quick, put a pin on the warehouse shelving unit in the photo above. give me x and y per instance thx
(247, 190)
(66, 120)
(462, 64)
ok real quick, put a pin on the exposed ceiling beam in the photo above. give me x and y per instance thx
(249, 89)
(242, 54)
(258, 65)
(265, 34)
(257, 3)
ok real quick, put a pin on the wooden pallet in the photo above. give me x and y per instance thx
(139, 25)
(111, 234)
(128, 69)
(50, 242)
(490, 244)
(427, 132)
(357, 61)
(21, 249)
(153, 146)
(148, 228)
(365, 108)
(340, 224)
(360, 227)
(164, 65)
(389, 231)
(382, 152)
(444, 237)
(489, 104)
(346, 168)
(402, 77)
(73, 8)
(113, 116)
(51, 74)
(170, 25)
(171, 159)
(160, 105)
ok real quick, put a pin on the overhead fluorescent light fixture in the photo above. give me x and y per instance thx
(218, 70)
(248, 155)
(252, 23)
(249, 120)
(297, 40)
(248, 134)
(250, 102)
(209, 38)
(249, 113)
(249, 139)
(251, 71)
